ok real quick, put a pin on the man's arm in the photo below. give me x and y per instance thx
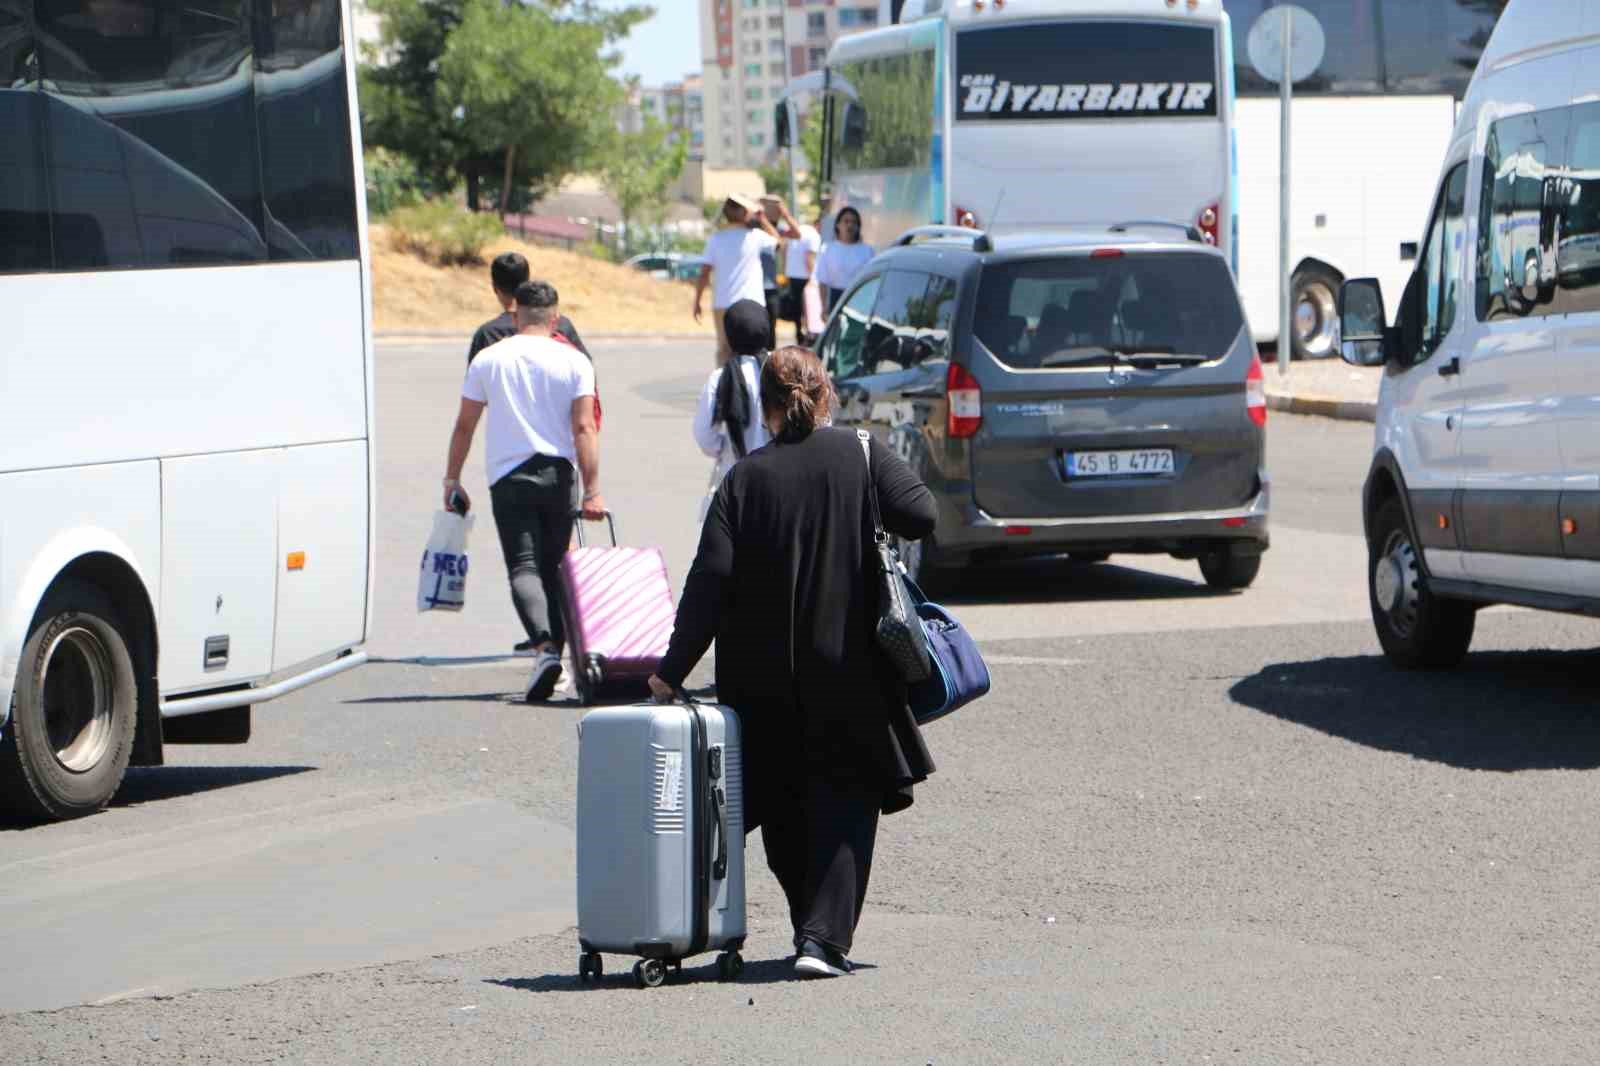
(700, 288)
(460, 446)
(587, 439)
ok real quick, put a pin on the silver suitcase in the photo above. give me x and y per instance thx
(660, 838)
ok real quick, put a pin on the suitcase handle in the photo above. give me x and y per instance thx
(719, 866)
(578, 525)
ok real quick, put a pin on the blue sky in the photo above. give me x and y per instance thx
(665, 48)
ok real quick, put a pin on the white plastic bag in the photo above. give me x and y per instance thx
(442, 581)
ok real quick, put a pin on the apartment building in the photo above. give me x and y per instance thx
(679, 105)
(750, 49)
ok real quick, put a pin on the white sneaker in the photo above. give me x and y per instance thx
(814, 960)
(546, 672)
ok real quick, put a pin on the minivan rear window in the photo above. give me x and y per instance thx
(1042, 313)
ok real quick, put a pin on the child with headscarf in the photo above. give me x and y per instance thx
(727, 423)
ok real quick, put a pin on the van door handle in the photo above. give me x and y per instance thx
(1451, 369)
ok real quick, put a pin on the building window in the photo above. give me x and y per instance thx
(757, 140)
(752, 70)
(775, 46)
(727, 143)
(753, 93)
(776, 70)
(816, 24)
(775, 22)
(752, 116)
(816, 57)
(857, 17)
(752, 48)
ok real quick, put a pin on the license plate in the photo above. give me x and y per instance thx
(1138, 462)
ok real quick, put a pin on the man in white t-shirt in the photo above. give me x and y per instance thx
(733, 258)
(539, 394)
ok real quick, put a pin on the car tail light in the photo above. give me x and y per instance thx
(1255, 392)
(966, 402)
(1106, 253)
(1209, 219)
(966, 218)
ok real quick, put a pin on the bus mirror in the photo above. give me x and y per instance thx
(855, 126)
(1362, 322)
(780, 123)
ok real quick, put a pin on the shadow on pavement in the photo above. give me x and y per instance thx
(1058, 580)
(762, 972)
(1497, 711)
(151, 784)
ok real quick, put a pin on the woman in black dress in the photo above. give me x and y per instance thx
(781, 584)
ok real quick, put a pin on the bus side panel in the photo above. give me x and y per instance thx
(1364, 171)
(48, 518)
(219, 545)
(322, 517)
(183, 362)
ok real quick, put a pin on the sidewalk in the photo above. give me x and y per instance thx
(1328, 387)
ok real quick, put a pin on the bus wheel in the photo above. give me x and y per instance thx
(66, 746)
(1315, 304)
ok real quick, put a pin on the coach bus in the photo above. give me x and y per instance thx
(1030, 113)
(1390, 80)
(185, 379)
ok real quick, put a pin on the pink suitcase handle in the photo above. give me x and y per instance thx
(610, 521)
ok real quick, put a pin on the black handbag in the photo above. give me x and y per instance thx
(899, 631)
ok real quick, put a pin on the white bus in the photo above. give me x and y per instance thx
(185, 379)
(1030, 113)
(1390, 81)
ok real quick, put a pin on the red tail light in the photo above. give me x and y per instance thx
(966, 402)
(966, 218)
(1210, 220)
(1255, 392)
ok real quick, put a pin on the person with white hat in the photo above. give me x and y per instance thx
(733, 257)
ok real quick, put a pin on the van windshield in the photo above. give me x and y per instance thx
(1075, 310)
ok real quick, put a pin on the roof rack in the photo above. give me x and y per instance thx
(1190, 231)
(980, 240)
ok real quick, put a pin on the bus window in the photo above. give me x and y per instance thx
(1516, 223)
(24, 211)
(896, 94)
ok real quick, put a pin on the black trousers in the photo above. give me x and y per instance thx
(820, 849)
(533, 513)
(773, 300)
(797, 307)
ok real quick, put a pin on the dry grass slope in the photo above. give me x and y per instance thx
(600, 297)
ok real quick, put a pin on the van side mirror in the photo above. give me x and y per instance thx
(780, 123)
(854, 134)
(1365, 337)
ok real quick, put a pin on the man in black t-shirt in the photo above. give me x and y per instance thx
(509, 270)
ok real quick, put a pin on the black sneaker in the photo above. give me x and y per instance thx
(815, 960)
(523, 647)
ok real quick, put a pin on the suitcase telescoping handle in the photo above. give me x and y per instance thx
(578, 525)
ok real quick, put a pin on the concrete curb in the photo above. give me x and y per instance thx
(1326, 406)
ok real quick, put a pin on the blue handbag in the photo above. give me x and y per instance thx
(959, 673)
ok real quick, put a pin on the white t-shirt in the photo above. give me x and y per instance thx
(807, 242)
(839, 263)
(735, 257)
(529, 384)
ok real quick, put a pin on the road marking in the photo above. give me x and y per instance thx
(1030, 660)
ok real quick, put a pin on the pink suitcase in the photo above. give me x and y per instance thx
(619, 615)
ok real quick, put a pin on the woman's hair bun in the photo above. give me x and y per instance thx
(794, 385)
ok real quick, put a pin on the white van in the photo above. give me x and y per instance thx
(1485, 479)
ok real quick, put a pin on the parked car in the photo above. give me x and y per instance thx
(1087, 392)
(668, 266)
(1484, 485)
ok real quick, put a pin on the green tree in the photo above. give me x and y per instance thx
(811, 147)
(517, 91)
(636, 170)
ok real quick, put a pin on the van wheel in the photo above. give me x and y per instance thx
(1416, 628)
(1228, 568)
(67, 744)
(1315, 305)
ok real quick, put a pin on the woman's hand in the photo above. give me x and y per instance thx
(661, 690)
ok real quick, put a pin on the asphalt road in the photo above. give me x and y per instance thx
(1185, 827)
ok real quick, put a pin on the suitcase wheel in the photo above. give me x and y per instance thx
(590, 966)
(650, 973)
(730, 964)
